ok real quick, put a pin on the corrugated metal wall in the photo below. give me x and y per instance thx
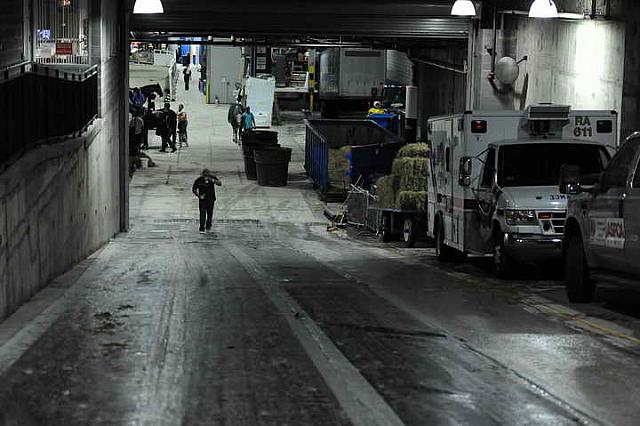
(399, 68)
(11, 32)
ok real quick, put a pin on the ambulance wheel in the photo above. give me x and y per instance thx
(579, 286)
(502, 262)
(409, 232)
(443, 252)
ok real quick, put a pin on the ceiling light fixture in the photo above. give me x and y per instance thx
(148, 6)
(463, 8)
(543, 9)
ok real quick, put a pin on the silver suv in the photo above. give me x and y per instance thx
(602, 233)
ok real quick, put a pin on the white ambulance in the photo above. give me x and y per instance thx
(493, 187)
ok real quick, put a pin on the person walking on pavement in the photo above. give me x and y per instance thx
(248, 120)
(187, 76)
(234, 117)
(205, 189)
(183, 122)
(168, 128)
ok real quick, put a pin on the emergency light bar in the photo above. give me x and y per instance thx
(548, 112)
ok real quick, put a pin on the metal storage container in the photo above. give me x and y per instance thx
(372, 150)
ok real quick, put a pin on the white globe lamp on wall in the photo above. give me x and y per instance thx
(463, 8)
(507, 71)
(148, 6)
(543, 9)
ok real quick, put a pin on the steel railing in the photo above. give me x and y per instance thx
(40, 104)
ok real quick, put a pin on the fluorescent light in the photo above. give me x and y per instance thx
(572, 16)
(463, 8)
(148, 6)
(543, 9)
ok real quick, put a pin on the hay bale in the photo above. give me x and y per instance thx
(414, 150)
(412, 200)
(386, 188)
(411, 173)
(339, 167)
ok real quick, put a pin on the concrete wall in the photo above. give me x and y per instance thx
(61, 202)
(579, 63)
(224, 70)
(629, 12)
(12, 41)
(440, 90)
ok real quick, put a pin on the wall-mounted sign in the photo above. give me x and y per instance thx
(64, 49)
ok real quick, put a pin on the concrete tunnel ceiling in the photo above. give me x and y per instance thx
(357, 19)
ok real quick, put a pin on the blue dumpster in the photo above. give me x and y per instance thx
(390, 122)
(373, 149)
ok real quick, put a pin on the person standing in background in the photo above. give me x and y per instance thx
(183, 122)
(137, 127)
(168, 127)
(376, 109)
(248, 120)
(187, 76)
(138, 97)
(205, 189)
(234, 117)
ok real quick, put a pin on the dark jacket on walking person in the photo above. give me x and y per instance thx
(205, 189)
(187, 77)
(170, 124)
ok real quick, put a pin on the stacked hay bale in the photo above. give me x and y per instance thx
(386, 190)
(405, 188)
(339, 166)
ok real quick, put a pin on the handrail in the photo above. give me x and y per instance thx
(44, 104)
(22, 68)
(18, 65)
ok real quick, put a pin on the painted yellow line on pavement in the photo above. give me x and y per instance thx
(545, 306)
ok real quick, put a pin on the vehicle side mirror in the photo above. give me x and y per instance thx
(570, 179)
(464, 174)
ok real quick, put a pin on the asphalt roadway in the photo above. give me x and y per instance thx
(271, 319)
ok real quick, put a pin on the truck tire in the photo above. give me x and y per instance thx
(409, 232)
(385, 229)
(443, 252)
(579, 285)
(502, 262)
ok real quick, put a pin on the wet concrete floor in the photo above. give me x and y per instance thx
(270, 319)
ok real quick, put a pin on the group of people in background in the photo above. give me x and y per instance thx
(172, 127)
(169, 125)
(241, 120)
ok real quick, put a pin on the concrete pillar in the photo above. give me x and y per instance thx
(123, 53)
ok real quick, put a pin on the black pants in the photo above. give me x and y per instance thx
(168, 139)
(186, 85)
(206, 214)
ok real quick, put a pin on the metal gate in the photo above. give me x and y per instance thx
(61, 31)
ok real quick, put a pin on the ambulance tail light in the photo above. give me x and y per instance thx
(478, 126)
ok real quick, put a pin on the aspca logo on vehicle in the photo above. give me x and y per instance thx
(558, 197)
(608, 233)
(615, 230)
